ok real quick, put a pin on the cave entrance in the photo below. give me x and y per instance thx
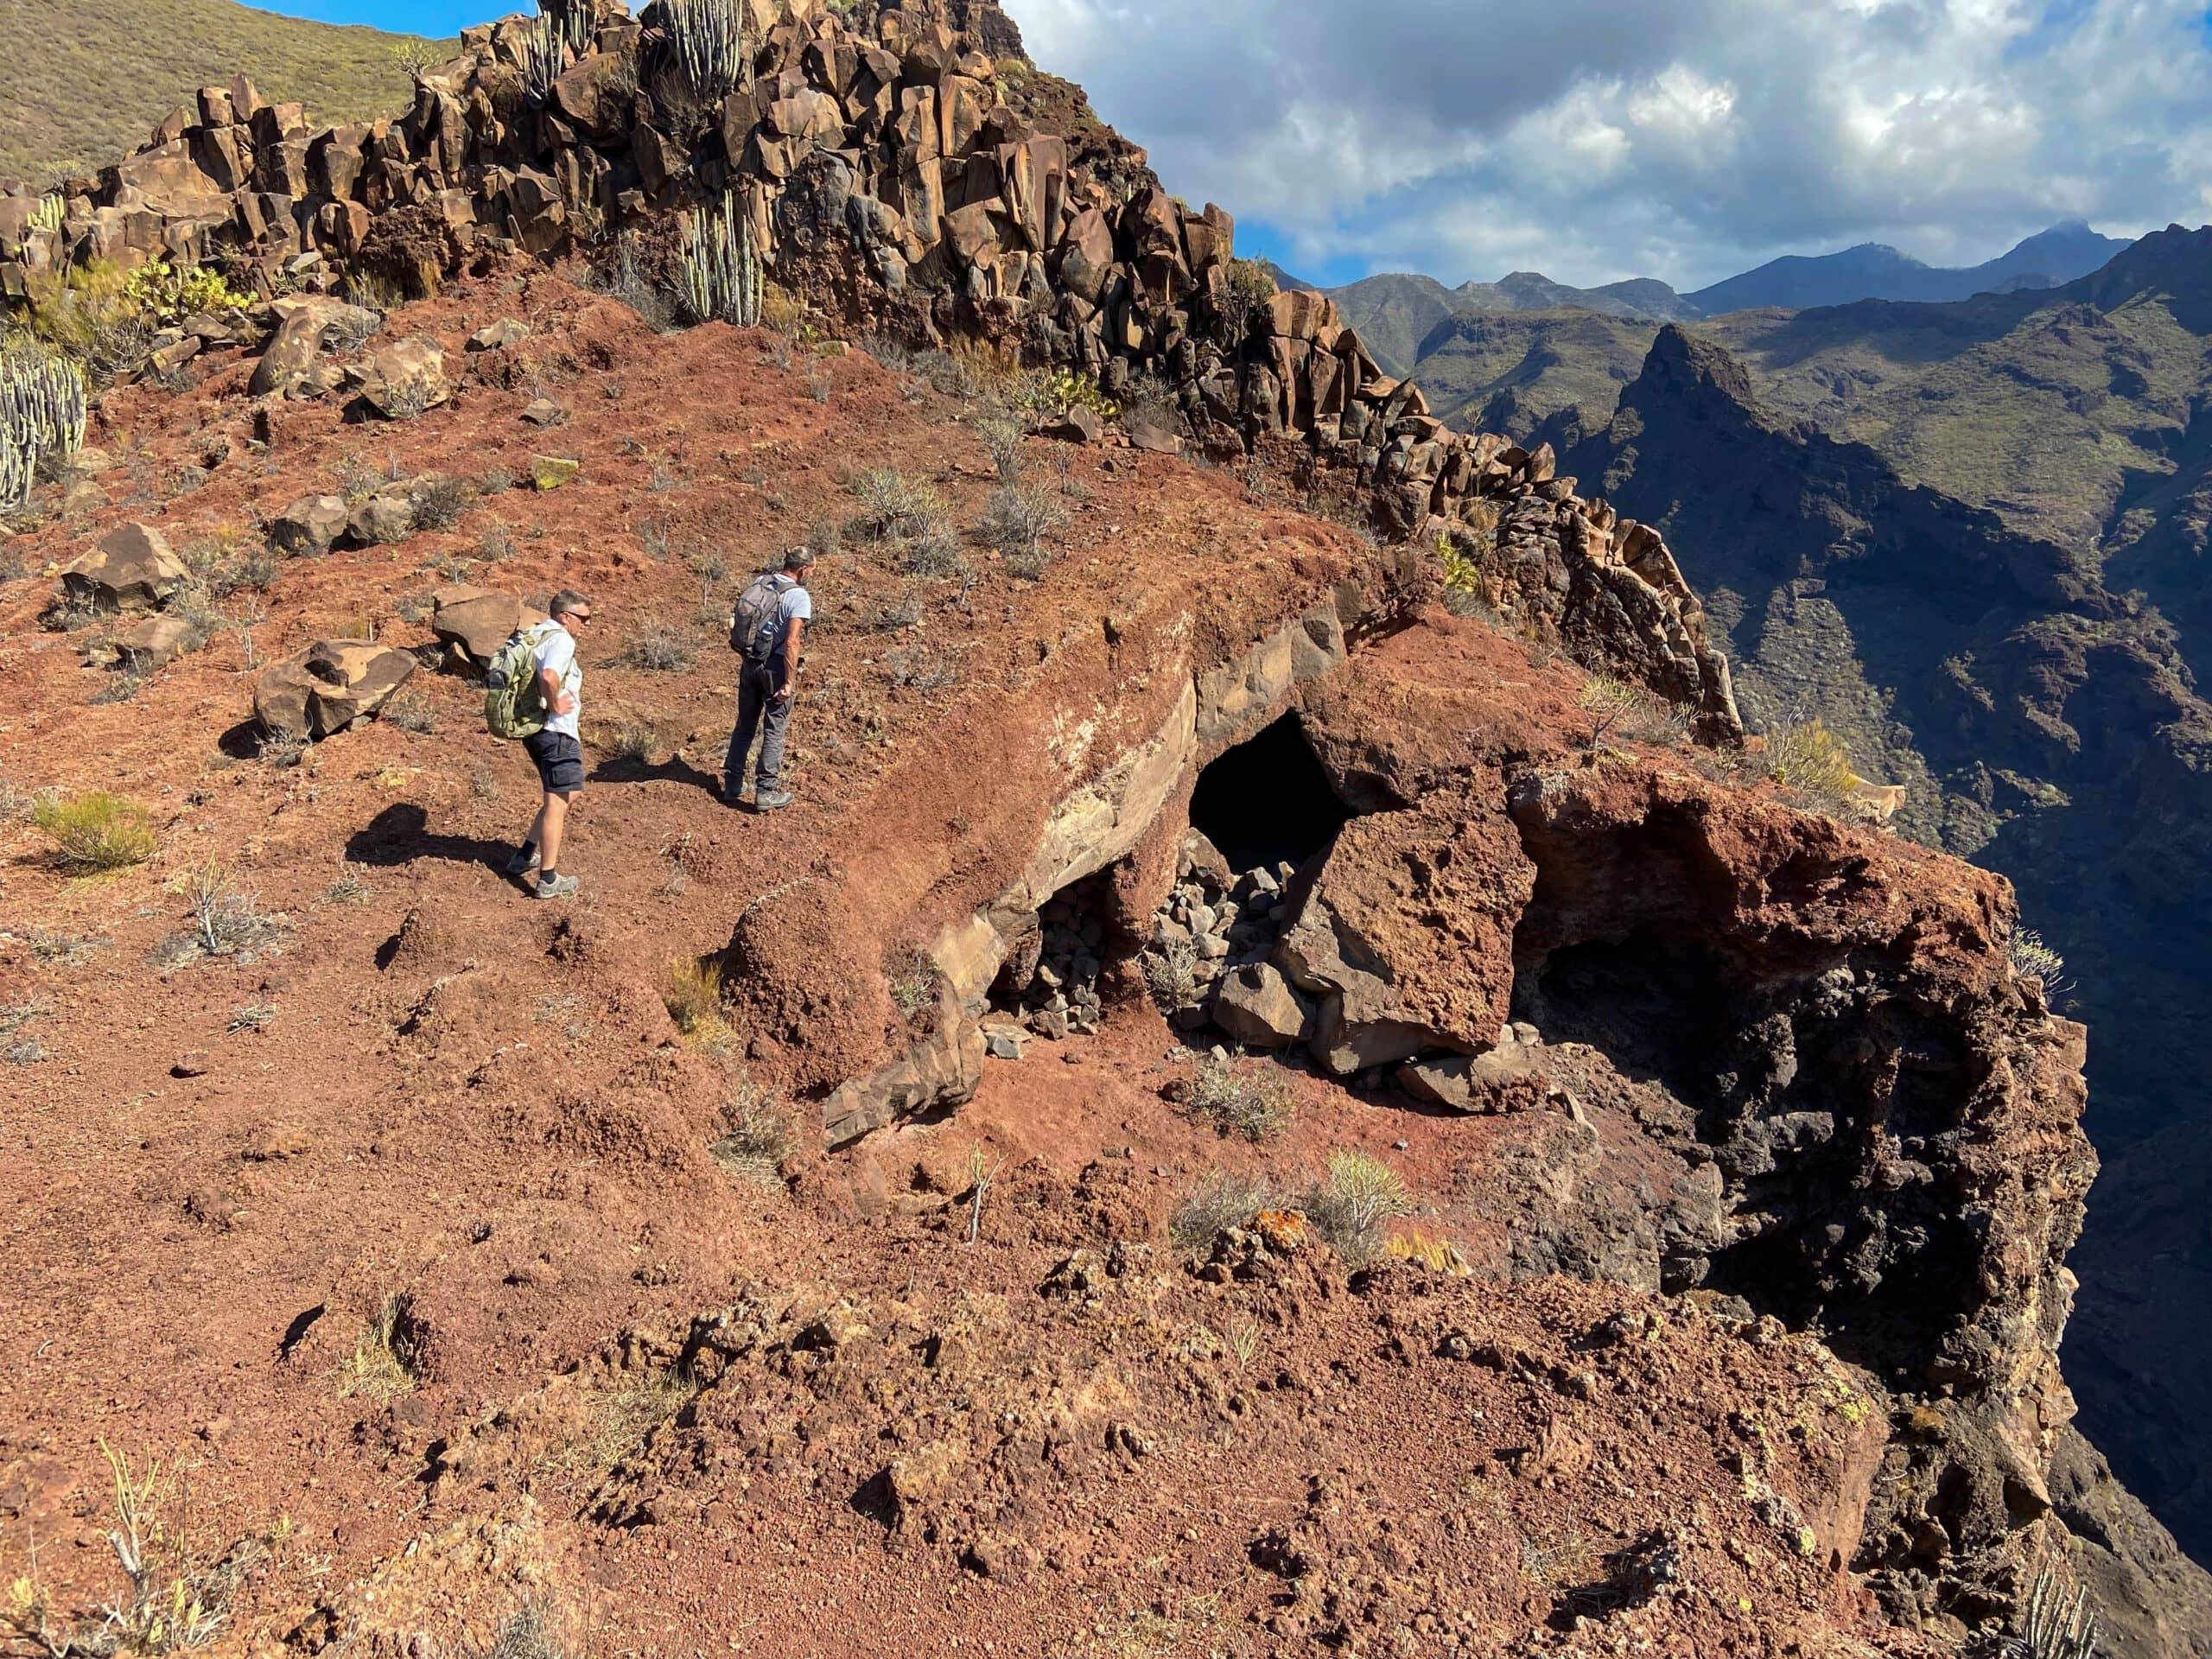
(1267, 801)
(1049, 982)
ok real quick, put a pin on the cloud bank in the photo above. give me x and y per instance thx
(1685, 139)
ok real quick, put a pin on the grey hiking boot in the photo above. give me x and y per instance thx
(556, 887)
(523, 862)
(770, 800)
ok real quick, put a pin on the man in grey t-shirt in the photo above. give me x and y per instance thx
(767, 631)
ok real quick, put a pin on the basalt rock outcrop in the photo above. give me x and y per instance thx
(904, 169)
(2040, 722)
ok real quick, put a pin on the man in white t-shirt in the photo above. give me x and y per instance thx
(557, 749)
(767, 631)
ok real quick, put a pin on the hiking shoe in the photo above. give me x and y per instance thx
(523, 862)
(769, 800)
(559, 886)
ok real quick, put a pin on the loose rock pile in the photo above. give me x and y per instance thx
(889, 169)
(1216, 927)
(1050, 983)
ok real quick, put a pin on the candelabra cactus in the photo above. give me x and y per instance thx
(720, 264)
(41, 413)
(47, 216)
(559, 34)
(708, 37)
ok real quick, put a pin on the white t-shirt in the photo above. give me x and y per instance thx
(558, 651)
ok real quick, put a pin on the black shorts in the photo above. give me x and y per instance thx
(560, 761)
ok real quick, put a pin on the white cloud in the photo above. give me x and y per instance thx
(1598, 139)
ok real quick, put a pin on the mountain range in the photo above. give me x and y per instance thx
(1408, 319)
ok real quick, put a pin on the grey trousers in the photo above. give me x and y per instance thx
(758, 712)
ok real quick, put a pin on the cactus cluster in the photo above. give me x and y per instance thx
(47, 216)
(558, 35)
(719, 265)
(41, 413)
(2057, 1624)
(708, 37)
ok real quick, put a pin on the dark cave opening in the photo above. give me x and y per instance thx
(1267, 801)
(1049, 980)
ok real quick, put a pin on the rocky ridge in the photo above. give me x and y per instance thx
(888, 172)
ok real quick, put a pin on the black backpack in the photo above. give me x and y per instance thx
(752, 624)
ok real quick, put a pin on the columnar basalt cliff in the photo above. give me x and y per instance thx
(905, 173)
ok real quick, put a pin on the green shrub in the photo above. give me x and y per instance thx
(1349, 1208)
(95, 831)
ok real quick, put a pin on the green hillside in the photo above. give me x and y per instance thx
(82, 82)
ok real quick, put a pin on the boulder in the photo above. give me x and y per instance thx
(1256, 1005)
(1299, 314)
(1147, 434)
(304, 326)
(384, 517)
(144, 646)
(472, 623)
(331, 685)
(551, 471)
(310, 525)
(130, 569)
(497, 336)
(1462, 1083)
(404, 378)
(1079, 425)
(1407, 935)
(544, 412)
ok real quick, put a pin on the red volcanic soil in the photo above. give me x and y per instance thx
(650, 1400)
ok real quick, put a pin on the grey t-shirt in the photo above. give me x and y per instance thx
(793, 601)
(556, 650)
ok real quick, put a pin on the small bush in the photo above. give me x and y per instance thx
(355, 480)
(695, 995)
(894, 508)
(1001, 435)
(95, 832)
(756, 1136)
(386, 1358)
(1171, 973)
(1017, 522)
(1242, 1098)
(121, 686)
(912, 974)
(1349, 1208)
(225, 922)
(1810, 761)
(1222, 1202)
(494, 480)
(2031, 959)
(497, 543)
(412, 712)
(632, 739)
(656, 648)
(439, 501)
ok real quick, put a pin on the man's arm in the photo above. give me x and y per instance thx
(792, 635)
(550, 692)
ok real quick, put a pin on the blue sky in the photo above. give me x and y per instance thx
(1615, 138)
(435, 17)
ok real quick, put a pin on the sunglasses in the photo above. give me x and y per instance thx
(577, 616)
